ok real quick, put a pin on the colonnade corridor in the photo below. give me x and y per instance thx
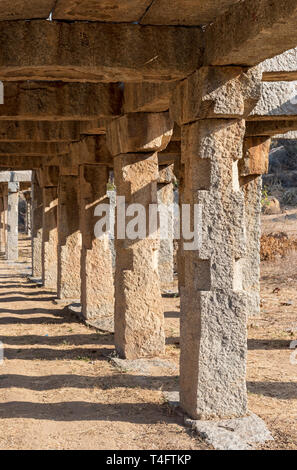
(60, 389)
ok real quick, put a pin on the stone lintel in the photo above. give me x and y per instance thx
(28, 149)
(269, 29)
(60, 101)
(147, 97)
(139, 132)
(84, 51)
(270, 128)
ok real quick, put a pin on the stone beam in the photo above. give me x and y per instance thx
(282, 67)
(189, 12)
(27, 163)
(96, 52)
(60, 101)
(251, 31)
(25, 9)
(105, 10)
(270, 128)
(147, 97)
(44, 131)
(278, 101)
(32, 149)
(15, 176)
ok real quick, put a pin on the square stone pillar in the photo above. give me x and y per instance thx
(12, 222)
(27, 195)
(165, 203)
(50, 237)
(97, 289)
(69, 238)
(37, 211)
(3, 209)
(209, 107)
(254, 163)
(50, 180)
(135, 140)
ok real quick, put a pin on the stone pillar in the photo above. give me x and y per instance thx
(69, 238)
(37, 211)
(134, 140)
(27, 195)
(213, 339)
(2, 222)
(97, 289)
(5, 206)
(165, 202)
(254, 163)
(12, 222)
(50, 179)
(50, 237)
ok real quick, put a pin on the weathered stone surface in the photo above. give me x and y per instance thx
(281, 67)
(15, 177)
(92, 150)
(49, 176)
(60, 101)
(97, 290)
(252, 189)
(185, 12)
(106, 10)
(278, 101)
(287, 136)
(42, 131)
(271, 128)
(139, 317)
(32, 148)
(50, 238)
(12, 222)
(26, 163)
(255, 159)
(213, 303)
(269, 29)
(139, 132)
(69, 238)
(37, 211)
(81, 51)
(25, 9)
(214, 92)
(232, 434)
(147, 97)
(3, 218)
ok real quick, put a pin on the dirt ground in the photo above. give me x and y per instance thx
(59, 390)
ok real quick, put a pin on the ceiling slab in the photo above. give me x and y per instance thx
(185, 12)
(25, 9)
(119, 11)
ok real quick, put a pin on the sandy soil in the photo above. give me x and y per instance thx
(59, 390)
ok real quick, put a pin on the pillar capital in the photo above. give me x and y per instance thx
(139, 132)
(216, 92)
